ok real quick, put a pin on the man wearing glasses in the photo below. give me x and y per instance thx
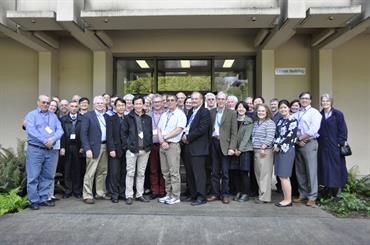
(43, 130)
(211, 100)
(309, 120)
(170, 128)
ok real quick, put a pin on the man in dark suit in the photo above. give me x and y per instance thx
(70, 148)
(116, 158)
(196, 149)
(94, 139)
(223, 133)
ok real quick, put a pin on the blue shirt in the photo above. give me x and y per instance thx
(309, 121)
(41, 126)
(216, 129)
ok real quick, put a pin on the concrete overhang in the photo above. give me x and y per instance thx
(180, 18)
(35, 20)
(333, 17)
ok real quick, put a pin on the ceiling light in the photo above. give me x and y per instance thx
(106, 20)
(331, 17)
(142, 64)
(33, 21)
(185, 63)
(228, 63)
(253, 18)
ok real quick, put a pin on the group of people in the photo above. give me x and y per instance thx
(229, 148)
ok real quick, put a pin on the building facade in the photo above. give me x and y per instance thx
(272, 48)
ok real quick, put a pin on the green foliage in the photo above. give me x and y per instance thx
(12, 202)
(184, 83)
(142, 85)
(353, 199)
(12, 167)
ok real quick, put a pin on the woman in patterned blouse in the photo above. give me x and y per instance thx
(285, 138)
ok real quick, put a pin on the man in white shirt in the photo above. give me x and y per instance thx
(170, 128)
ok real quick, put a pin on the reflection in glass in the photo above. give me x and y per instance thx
(135, 76)
(184, 75)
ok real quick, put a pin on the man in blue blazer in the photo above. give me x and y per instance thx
(94, 139)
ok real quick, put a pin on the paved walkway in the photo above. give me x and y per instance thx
(73, 222)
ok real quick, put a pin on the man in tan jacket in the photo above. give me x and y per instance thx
(223, 133)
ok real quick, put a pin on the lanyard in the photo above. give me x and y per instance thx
(300, 117)
(154, 122)
(169, 115)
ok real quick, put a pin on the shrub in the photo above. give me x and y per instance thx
(353, 198)
(12, 202)
(12, 167)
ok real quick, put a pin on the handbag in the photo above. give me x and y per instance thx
(345, 150)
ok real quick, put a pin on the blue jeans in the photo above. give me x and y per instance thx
(39, 167)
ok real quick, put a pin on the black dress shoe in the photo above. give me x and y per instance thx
(55, 199)
(153, 196)
(67, 196)
(78, 196)
(187, 199)
(243, 198)
(34, 206)
(129, 200)
(47, 204)
(115, 200)
(198, 202)
(278, 204)
(142, 199)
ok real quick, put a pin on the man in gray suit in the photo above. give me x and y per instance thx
(223, 133)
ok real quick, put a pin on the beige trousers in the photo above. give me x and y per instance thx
(135, 162)
(170, 166)
(96, 166)
(263, 170)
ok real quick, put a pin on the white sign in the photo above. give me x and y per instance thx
(290, 71)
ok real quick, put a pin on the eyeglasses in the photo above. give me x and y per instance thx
(211, 99)
(305, 98)
(171, 100)
(45, 102)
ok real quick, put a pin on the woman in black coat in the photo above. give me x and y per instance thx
(332, 171)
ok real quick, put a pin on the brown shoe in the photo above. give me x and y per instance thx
(226, 200)
(311, 203)
(212, 198)
(299, 200)
(89, 201)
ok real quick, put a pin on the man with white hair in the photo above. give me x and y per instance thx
(94, 139)
(43, 130)
(232, 100)
(210, 100)
(129, 105)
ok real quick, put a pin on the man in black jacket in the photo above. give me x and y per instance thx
(116, 157)
(196, 149)
(71, 149)
(137, 140)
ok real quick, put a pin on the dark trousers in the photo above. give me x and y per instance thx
(220, 170)
(72, 171)
(242, 182)
(195, 174)
(156, 177)
(253, 180)
(117, 176)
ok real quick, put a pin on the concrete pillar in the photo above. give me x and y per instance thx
(48, 73)
(265, 85)
(102, 72)
(250, 77)
(322, 74)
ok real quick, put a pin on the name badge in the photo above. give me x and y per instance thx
(48, 130)
(155, 132)
(72, 136)
(141, 135)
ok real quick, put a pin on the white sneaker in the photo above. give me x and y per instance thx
(173, 200)
(164, 199)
